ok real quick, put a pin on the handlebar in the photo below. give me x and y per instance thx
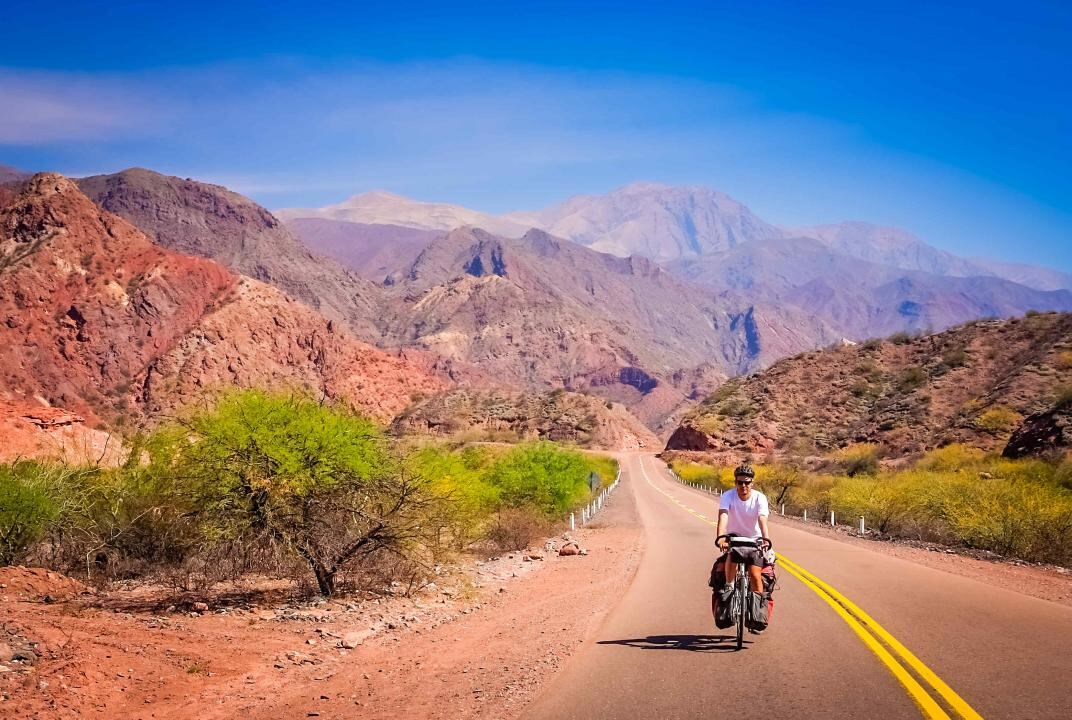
(742, 540)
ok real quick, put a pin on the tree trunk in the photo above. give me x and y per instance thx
(325, 578)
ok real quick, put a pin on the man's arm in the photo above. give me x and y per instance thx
(723, 521)
(763, 527)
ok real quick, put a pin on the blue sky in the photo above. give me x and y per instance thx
(953, 122)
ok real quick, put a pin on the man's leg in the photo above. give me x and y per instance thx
(755, 578)
(731, 571)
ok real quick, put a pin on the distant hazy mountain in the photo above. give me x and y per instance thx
(667, 224)
(857, 297)
(375, 251)
(384, 208)
(10, 174)
(656, 221)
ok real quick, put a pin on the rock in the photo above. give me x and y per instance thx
(570, 548)
(199, 607)
(6, 653)
(352, 639)
(26, 657)
(1042, 434)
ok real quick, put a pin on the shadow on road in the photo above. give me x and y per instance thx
(692, 643)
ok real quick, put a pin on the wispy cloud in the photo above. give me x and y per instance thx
(496, 136)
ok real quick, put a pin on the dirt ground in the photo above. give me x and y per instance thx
(478, 644)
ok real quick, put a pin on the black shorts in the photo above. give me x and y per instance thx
(748, 556)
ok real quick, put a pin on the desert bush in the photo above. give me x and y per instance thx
(779, 481)
(871, 344)
(702, 474)
(1064, 360)
(541, 476)
(27, 509)
(911, 378)
(951, 458)
(861, 458)
(1063, 397)
(955, 357)
(316, 479)
(900, 338)
(998, 419)
(885, 501)
(709, 424)
(515, 528)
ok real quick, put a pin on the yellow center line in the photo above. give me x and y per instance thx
(870, 632)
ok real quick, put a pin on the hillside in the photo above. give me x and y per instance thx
(96, 319)
(499, 415)
(972, 384)
(210, 221)
(545, 312)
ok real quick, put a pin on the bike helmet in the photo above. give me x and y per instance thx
(744, 470)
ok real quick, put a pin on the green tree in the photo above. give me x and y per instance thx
(315, 478)
(542, 476)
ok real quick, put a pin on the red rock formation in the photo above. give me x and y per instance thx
(97, 319)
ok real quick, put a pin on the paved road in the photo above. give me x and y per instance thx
(659, 655)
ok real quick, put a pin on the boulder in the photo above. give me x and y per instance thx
(1045, 433)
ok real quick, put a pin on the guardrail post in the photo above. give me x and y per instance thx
(831, 518)
(783, 509)
(862, 525)
(805, 515)
(572, 522)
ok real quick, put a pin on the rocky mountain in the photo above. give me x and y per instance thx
(544, 312)
(377, 252)
(96, 319)
(384, 208)
(11, 174)
(657, 221)
(972, 384)
(500, 415)
(210, 221)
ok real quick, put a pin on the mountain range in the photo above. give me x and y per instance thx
(516, 309)
(666, 224)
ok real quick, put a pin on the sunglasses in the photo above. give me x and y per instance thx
(743, 482)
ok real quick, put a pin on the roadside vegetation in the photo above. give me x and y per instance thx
(283, 486)
(956, 495)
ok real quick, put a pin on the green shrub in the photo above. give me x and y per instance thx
(883, 501)
(858, 459)
(541, 476)
(998, 419)
(951, 458)
(700, 474)
(911, 378)
(27, 509)
(709, 424)
(955, 357)
(314, 478)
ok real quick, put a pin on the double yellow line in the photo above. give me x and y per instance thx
(884, 645)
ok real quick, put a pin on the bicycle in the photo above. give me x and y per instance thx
(741, 589)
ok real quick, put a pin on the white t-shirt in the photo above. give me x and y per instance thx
(744, 514)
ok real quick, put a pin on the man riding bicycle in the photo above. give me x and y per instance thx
(744, 512)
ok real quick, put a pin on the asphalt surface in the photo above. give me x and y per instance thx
(658, 653)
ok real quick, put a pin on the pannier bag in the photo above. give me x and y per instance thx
(758, 613)
(721, 592)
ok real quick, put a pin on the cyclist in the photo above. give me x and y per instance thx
(744, 512)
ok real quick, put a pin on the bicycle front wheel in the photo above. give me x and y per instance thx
(742, 608)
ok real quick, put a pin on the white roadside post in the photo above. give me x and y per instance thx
(862, 531)
(783, 515)
(805, 515)
(572, 522)
(831, 518)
